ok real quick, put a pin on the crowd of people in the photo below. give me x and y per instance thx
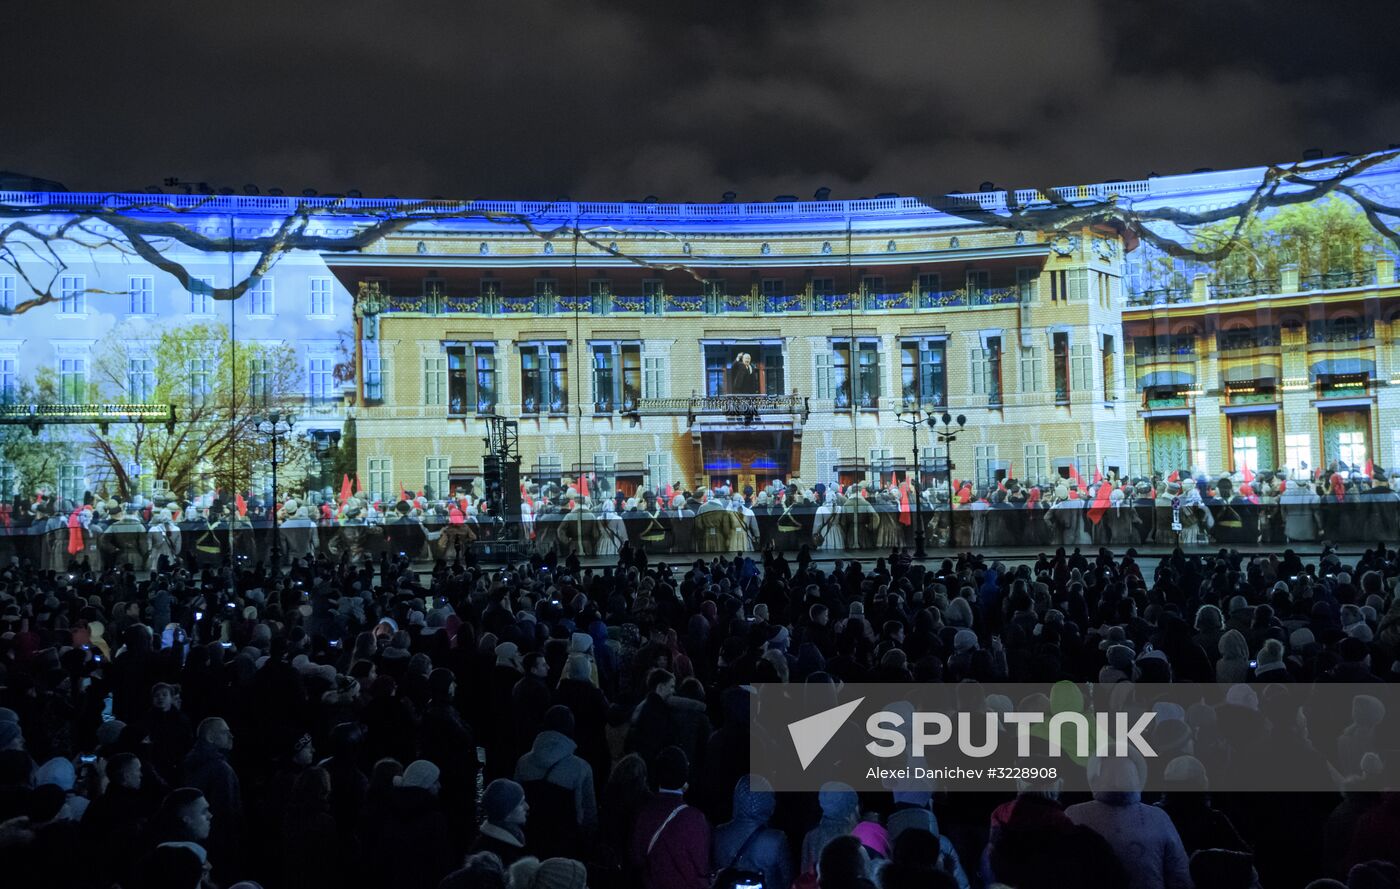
(196, 719)
(1245, 508)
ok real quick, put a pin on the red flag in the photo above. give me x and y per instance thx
(1370, 469)
(904, 518)
(1245, 472)
(1001, 484)
(240, 504)
(1074, 476)
(1008, 471)
(1282, 485)
(525, 495)
(1100, 504)
(75, 533)
(583, 485)
(359, 491)
(1174, 477)
(403, 492)
(1033, 498)
(344, 488)
(1098, 476)
(420, 492)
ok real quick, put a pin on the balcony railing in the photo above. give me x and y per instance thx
(692, 303)
(1338, 278)
(1160, 296)
(1243, 288)
(1329, 334)
(1258, 339)
(1176, 352)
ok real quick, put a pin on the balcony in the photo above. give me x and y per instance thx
(1252, 340)
(962, 297)
(1171, 352)
(1160, 296)
(778, 304)
(881, 302)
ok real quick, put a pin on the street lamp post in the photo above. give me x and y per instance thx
(275, 426)
(946, 437)
(914, 419)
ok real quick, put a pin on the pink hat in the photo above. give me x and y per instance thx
(873, 837)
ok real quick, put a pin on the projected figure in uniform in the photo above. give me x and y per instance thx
(743, 376)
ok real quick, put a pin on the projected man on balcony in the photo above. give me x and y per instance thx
(743, 376)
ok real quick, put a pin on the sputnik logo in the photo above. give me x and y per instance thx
(811, 734)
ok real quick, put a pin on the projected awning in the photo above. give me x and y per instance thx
(1160, 378)
(1341, 366)
(1246, 373)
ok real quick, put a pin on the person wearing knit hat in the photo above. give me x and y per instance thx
(422, 774)
(503, 832)
(552, 873)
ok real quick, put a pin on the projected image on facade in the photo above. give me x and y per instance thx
(1199, 359)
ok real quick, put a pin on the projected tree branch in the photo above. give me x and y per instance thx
(38, 256)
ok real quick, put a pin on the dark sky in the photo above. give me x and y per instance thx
(614, 100)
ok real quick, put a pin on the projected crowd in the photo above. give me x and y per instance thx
(390, 710)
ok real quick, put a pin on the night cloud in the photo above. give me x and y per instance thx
(599, 100)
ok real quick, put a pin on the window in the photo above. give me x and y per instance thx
(827, 459)
(1036, 463)
(1139, 459)
(433, 291)
(654, 379)
(604, 474)
(986, 370)
(743, 368)
(544, 378)
(260, 382)
(201, 370)
(545, 291)
(653, 289)
(1246, 452)
(320, 381)
(977, 282)
(549, 468)
(923, 373)
(714, 291)
(490, 295)
(1061, 346)
(435, 476)
(9, 480)
(771, 288)
(1351, 448)
(1078, 281)
(1059, 288)
(381, 484)
(140, 380)
(658, 470)
(1081, 367)
(823, 375)
(72, 481)
(617, 376)
(882, 463)
(1110, 377)
(72, 295)
(1027, 284)
(471, 379)
(1104, 285)
(823, 286)
(1086, 459)
(1032, 370)
(201, 291)
(142, 289)
(260, 297)
(7, 291)
(871, 286)
(434, 382)
(930, 283)
(856, 373)
(600, 295)
(321, 303)
(984, 464)
(9, 378)
(72, 380)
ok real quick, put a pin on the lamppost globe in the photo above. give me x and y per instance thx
(962, 420)
(946, 419)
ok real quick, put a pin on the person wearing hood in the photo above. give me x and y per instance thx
(747, 842)
(840, 813)
(589, 708)
(1233, 665)
(124, 542)
(505, 812)
(559, 785)
(1142, 837)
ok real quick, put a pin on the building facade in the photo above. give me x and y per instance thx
(616, 335)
